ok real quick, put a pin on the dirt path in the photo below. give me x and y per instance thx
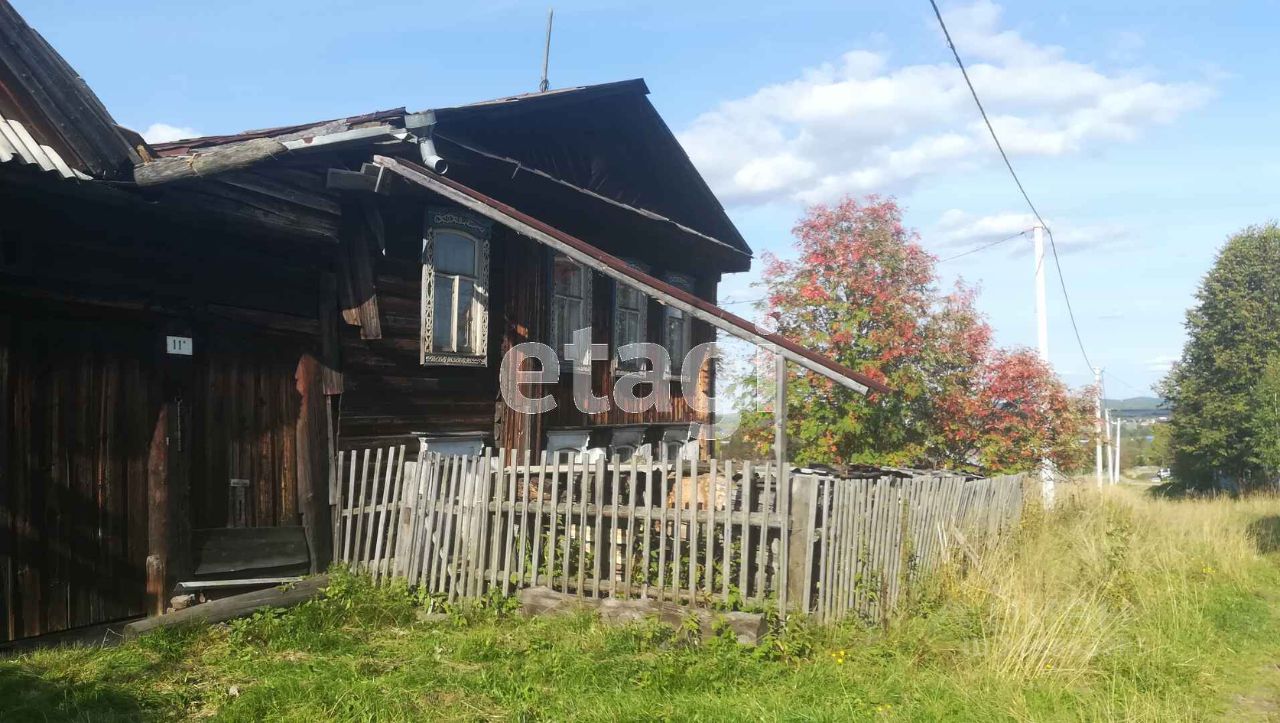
(1262, 701)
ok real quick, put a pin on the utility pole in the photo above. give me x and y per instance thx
(1106, 426)
(1097, 425)
(1042, 314)
(1042, 335)
(1117, 459)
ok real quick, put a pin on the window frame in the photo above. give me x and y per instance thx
(480, 230)
(685, 283)
(631, 365)
(585, 309)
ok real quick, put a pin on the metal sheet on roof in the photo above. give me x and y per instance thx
(18, 146)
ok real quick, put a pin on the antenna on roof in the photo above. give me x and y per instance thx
(546, 52)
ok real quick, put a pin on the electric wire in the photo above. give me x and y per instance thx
(983, 247)
(1052, 246)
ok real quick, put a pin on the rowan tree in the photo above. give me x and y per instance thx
(863, 291)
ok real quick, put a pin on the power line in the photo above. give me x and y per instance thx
(1127, 384)
(983, 247)
(1052, 246)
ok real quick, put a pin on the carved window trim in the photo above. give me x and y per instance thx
(481, 230)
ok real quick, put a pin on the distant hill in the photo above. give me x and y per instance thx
(1136, 407)
(1134, 404)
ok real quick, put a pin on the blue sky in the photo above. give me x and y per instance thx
(1144, 131)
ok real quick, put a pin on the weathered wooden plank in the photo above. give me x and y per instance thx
(524, 520)
(443, 568)
(730, 496)
(677, 525)
(359, 264)
(597, 530)
(584, 500)
(693, 528)
(662, 516)
(554, 523)
(232, 607)
(536, 561)
(207, 162)
(744, 568)
(510, 530)
(615, 489)
(713, 501)
(358, 509)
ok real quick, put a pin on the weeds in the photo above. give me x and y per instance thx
(1110, 607)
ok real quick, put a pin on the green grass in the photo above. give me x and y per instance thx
(1113, 607)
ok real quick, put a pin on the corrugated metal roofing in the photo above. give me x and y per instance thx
(17, 146)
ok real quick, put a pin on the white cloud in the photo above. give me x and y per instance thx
(964, 231)
(1161, 363)
(163, 133)
(858, 126)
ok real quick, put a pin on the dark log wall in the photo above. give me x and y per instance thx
(112, 451)
(245, 416)
(388, 396)
(78, 400)
(526, 318)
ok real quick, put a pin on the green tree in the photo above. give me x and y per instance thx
(1266, 418)
(1231, 334)
(1161, 445)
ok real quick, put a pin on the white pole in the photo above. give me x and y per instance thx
(1042, 334)
(1117, 450)
(1106, 426)
(1042, 318)
(1097, 425)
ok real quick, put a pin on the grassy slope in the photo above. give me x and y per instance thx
(1111, 608)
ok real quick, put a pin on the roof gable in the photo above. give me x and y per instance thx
(607, 139)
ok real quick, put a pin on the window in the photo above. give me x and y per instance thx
(630, 318)
(570, 302)
(677, 328)
(455, 288)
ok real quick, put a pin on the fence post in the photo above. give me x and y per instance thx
(801, 495)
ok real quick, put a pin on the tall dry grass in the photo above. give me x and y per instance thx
(1121, 588)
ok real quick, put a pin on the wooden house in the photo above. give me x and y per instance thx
(190, 331)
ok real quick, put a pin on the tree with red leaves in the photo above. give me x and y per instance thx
(863, 291)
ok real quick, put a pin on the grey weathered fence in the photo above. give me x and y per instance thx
(692, 531)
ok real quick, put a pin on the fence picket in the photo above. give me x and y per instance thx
(713, 501)
(463, 525)
(524, 520)
(535, 562)
(507, 532)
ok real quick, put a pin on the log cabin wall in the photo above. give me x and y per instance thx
(389, 398)
(527, 318)
(111, 450)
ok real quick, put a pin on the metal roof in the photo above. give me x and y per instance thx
(18, 146)
(53, 114)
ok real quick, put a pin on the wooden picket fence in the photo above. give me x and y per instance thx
(725, 532)
(874, 538)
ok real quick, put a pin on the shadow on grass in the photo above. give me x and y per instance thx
(1173, 490)
(1265, 533)
(27, 695)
